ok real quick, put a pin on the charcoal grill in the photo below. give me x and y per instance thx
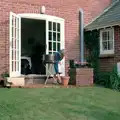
(49, 60)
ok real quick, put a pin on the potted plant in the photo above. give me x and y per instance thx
(5, 75)
(65, 80)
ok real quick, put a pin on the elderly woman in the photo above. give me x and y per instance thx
(58, 57)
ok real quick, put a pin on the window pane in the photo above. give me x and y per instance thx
(17, 19)
(17, 34)
(17, 55)
(12, 66)
(110, 45)
(58, 27)
(54, 52)
(104, 45)
(108, 35)
(54, 26)
(58, 36)
(50, 52)
(13, 43)
(12, 31)
(50, 45)
(50, 35)
(54, 46)
(50, 25)
(58, 46)
(104, 37)
(17, 45)
(12, 54)
(17, 66)
(54, 36)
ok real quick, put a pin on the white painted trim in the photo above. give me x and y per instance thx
(106, 51)
(40, 17)
(63, 47)
(114, 3)
(10, 43)
(47, 45)
(19, 44)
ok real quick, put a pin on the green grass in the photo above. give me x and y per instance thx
(59, 104)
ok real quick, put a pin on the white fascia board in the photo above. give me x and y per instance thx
(39, 16)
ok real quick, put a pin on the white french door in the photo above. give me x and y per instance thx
(15, 45)
(55, 39)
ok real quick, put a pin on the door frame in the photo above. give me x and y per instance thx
(46, 18)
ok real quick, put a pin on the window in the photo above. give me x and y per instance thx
(107, 41)
(54, 32)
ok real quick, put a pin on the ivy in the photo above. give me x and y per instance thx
(91, 39)
(107, 79)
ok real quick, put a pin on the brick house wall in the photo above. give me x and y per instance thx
(107, 63)
(67, 9)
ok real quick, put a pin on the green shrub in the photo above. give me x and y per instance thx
(115, 79)
(104, 79)
(5, 75)
(109, 79)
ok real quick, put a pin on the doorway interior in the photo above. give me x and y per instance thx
(33, 46)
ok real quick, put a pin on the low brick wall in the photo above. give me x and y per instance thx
(81, 76)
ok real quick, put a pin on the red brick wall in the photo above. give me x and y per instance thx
(67, 9)
(107, 63)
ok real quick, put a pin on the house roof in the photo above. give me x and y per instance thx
(110, 17)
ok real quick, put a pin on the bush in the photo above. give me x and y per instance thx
(104, 79)
(4, 75)
(115, 79)
(109, 79)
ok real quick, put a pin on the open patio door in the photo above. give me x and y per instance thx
(55, 39)
(15, 45)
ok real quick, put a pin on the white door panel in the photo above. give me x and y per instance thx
(15, 45)
(55, 39)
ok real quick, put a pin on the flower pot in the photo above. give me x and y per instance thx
(65, 80)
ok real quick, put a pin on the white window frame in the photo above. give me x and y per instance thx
(46, 18)
(106, 52)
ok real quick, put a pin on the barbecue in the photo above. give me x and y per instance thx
(49, 59)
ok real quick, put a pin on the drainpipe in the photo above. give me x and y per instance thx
(81, 28)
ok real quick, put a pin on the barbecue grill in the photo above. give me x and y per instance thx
(49, 60)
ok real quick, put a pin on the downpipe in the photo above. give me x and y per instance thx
(81, 29)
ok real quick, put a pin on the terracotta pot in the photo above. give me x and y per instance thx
(65, 80)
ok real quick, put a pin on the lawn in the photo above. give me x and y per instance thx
(89, 103)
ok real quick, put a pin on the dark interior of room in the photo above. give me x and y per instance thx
(33, 46)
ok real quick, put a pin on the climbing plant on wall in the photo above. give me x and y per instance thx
(91, 39)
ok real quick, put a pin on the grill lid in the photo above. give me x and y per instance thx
(49, 58)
